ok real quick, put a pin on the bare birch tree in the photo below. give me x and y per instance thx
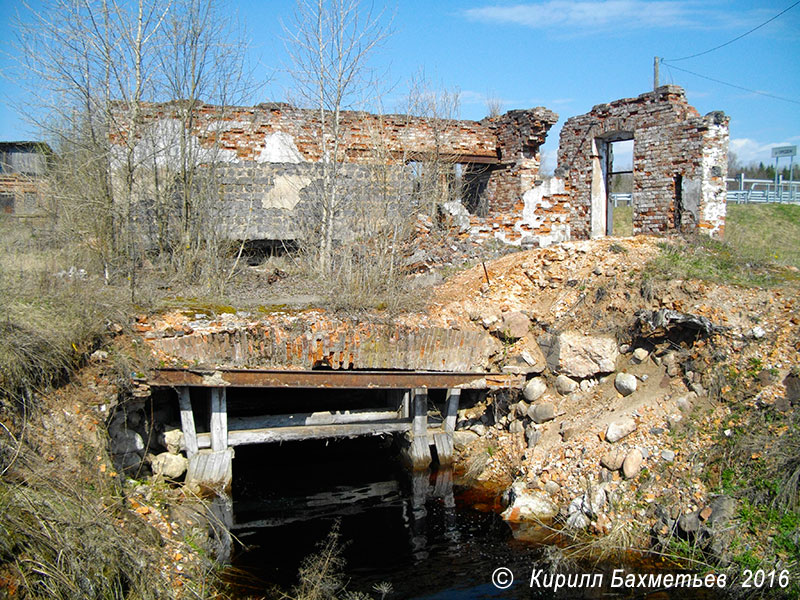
(202, 61)
(95, 65)
(434, 171)
(330, 43)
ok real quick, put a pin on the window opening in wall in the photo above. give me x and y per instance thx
(678, 200)
(619, 177)
(7, 203)
(474, 183)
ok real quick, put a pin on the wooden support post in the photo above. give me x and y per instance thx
(444, 440)
(187, 421)
(444, 448)
(406, 405)
(419, 452)
(453, 398)
(213, 469)
(219, 419)
(221, 522)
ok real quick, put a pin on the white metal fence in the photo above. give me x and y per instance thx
(750, 190)
(763, 190)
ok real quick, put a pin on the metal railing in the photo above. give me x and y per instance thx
(763, 190)
(622, 199)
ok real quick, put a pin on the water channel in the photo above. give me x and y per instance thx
(426, 537)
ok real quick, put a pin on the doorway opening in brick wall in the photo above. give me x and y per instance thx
(612, 198)
(620, 188)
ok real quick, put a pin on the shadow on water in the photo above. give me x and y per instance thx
(418, 532)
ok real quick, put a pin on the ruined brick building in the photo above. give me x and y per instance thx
(22, 169)
(267, 161)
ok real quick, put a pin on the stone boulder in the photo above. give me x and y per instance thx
(512, 326)
(625, 383)
(565, 386)
(534, 389)
(576, 355)
(543, 412)
(532, 436)
(172, 439)
(613, 459)
(632, 464)
(126, 441)
(619, 429)
(169, 465)
(528, 505)
(462, 439)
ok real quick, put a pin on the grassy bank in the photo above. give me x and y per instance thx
(761, 247)
(66, 529)
(765, 232)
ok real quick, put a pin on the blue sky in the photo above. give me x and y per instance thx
(562, 54)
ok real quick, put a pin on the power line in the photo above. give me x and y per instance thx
(738, 87)
(734, 39)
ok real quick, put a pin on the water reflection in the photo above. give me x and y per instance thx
(420, 532)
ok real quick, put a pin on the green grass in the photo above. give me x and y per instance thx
(623, 221)
(761, 248)
(765, 232)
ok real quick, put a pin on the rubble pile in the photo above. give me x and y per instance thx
(627, 382)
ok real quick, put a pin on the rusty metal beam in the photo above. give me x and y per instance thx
(449, 157)
(263, 378)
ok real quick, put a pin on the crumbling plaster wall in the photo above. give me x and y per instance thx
(672, 145)
(268, 157)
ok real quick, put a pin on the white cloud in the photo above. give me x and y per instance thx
(751, 151)
(588, 14)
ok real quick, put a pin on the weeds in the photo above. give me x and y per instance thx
(321, 574)
(61, 538)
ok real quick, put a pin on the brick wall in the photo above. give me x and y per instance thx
(22, 195)
(672, 146)
(268, 156)
(268, 161)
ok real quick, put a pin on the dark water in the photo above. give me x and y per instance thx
(420, 534)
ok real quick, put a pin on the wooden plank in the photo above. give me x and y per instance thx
(211, 469)
(306, 432)
(219, 419)
(341, 417)
(451, 414)
(187, 421)
(341, 379)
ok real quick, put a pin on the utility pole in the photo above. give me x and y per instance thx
(655, 73)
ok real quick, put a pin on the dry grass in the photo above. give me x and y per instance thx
(65, 531)
(62, 539)
(49, 320)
